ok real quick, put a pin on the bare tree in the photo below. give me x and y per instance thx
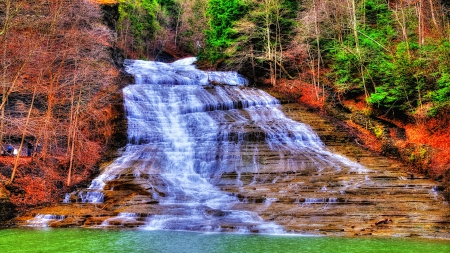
(24, 132)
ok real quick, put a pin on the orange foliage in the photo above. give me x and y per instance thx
(439, 140)
(9, 160)
(312, 96)
(104, 1)
(303, 92)
(366, 136)
(358, 103)
(428, 136)
(35, 191)
(60, 49)
(431, 136)
(37, 182)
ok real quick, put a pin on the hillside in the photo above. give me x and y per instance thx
(61, 97)
(381, 69)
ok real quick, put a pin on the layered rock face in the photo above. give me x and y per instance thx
(221, 158)
(382, 199)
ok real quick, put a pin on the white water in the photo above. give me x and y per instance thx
(42, 220)
(187, 133)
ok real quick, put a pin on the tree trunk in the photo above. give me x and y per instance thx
(357, 47)
(252, 60)
(24, 131)
(317, 32)
(74, 132)
(403, 26)
(421, 23)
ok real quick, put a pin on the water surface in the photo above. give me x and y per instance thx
(91, 240)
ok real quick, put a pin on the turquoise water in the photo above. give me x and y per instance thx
(90, 240)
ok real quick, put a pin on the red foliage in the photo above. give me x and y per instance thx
(358, 103)
(427, 138)
(58, 51)
(312, 96)
(104, 1)
(37, 182)
(430, 138)
(366, 137)
(435, 134)
(34, 191)
(303, 92)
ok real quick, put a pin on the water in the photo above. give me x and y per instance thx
(185, 133)
(88, 240)
(225, 158)
(42, 220)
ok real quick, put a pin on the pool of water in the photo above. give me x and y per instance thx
(91, 240)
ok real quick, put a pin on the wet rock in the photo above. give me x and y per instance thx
(383, 221)
(301, 192)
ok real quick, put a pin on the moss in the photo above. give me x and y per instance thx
(378, 131)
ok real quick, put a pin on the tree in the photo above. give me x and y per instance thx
(24, 132)
(256, 41)
(49, 51)
(137, 25)
(221, 35)
(192, 22)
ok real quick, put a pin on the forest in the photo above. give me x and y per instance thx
(56, 98)
(384, 62)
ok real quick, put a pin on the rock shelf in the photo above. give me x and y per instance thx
(383, 199)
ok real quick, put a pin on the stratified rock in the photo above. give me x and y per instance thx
(227, 159)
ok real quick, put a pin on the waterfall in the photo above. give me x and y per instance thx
(187, 130)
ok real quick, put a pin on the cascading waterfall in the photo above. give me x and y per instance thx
(187, 128)
(42, 220)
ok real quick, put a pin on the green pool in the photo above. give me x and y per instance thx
(90, 240)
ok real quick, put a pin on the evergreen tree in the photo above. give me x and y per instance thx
(137, 24)
(221, 33)
(251, 35)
